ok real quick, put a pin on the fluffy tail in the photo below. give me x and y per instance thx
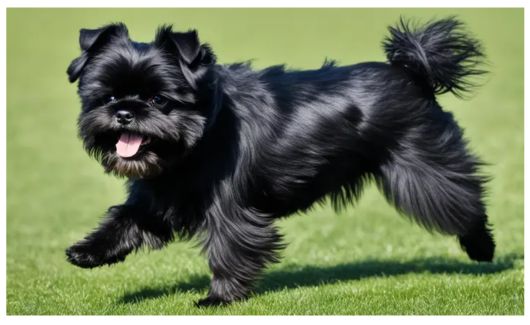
(439, 53)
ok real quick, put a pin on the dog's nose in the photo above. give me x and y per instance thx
(124, 117)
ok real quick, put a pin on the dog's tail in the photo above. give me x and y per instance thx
(441, 54)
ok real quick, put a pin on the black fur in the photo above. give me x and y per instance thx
(231, 149)
(440, 53)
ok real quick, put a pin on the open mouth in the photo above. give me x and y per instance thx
(129, 144)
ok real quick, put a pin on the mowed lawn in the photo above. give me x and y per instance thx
(364, 260)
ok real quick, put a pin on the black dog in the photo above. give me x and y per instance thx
(221, 151)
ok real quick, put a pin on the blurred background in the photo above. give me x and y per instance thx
(364, 260)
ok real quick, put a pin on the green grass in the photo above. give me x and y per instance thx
(364, 260)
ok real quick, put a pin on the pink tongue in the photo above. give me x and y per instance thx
(128, 145)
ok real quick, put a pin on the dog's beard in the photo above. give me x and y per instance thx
(141, 150)
(149, 159)
(148, 166)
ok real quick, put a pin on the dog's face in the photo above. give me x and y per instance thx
(142, 108)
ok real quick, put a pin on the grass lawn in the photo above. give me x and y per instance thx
(364, 260)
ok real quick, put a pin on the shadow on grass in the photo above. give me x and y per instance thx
(293, 276)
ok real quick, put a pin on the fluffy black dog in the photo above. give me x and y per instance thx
(221, 151)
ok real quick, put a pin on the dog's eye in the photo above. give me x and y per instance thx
(109, 99)
(157, 100)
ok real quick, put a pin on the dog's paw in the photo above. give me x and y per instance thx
(211, 302)
(85, 256)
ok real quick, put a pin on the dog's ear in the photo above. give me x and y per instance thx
(90, 40)
(193, 56)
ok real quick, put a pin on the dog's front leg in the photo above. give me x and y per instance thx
(123, 229)
(238, 250)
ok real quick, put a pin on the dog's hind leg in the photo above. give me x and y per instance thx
(432, 178)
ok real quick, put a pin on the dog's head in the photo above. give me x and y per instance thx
(143, 106)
